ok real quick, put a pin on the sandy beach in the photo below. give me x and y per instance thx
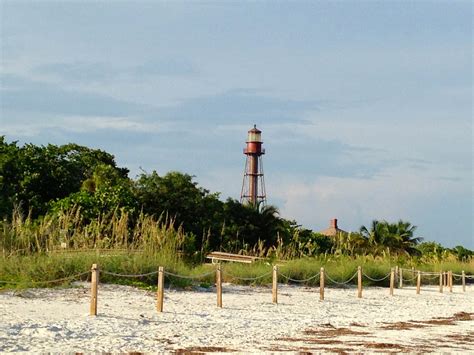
(58, 320)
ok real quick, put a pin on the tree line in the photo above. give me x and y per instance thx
(48, 180)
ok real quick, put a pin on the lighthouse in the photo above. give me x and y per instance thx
(253, 185)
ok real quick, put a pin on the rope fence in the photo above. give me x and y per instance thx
(67, 278)
(129, 275)
(300, 280)
(249, 278)
(446, 280)
(376, 280)
(192, 277)
(410, 279)
(343, 282)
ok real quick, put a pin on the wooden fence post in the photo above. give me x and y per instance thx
(392, 281)
(275, 284)
(359, 282)
(441, 282)
(401, 278)
(418, 282)
(397, 270)
(160, 291)
(321, 284)
(219, 285)
(450, 280)
(94, 286)
(463, 281)
(445, 279)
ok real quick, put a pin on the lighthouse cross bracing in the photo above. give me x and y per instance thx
(253, 185)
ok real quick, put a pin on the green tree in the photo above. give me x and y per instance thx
(31, 176)
(300, 242)
(391, 238)
(403, 235)
(431, 250)
(463, 254)
(9, 176)
(245, 226)
(350, 244)
(377, 236)
(178, 196)
(103, 193)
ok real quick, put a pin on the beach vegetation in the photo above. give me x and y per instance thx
(63, 208)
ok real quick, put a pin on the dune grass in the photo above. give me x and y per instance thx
(35, 252)
(38, 270)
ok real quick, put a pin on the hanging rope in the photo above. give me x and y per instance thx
(189, 277)
(343, 282)
(48, 281)
(408, 280)
(434, 276)
(421, 272)
(248, 278)
(128, 275)
(376, 280)
(466, 276)
(429, 273)
(296, 280)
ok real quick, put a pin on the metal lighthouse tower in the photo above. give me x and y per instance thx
(253, 185)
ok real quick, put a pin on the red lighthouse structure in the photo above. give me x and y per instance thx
(253, 186)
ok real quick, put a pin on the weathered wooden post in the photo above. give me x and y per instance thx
(450, 281)
(94, 287)
(401, 278)
(397, 270)
(392, 281)
(321, 284)
(418, 282)
(275, 284)
(445, 279)
(463, 275)
(359, 282)
(219, 285)
(441, 282)
(160, 291)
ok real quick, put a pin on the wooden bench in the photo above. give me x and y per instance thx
(217, 256)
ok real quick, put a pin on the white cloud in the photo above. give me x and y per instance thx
(80, 124)
(398, 193)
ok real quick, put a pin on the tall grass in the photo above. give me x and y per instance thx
(64, 244)
(67, 230)
(32, 270)
(38, 270)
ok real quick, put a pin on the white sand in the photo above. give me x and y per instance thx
(45, 320)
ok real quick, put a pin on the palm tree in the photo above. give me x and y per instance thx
(270, 223)
(388, 237)
(376, 236)
(256, 223)
(405, 233)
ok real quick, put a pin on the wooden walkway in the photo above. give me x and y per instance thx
(217, 256)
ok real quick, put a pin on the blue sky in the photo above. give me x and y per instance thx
(365, 107)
